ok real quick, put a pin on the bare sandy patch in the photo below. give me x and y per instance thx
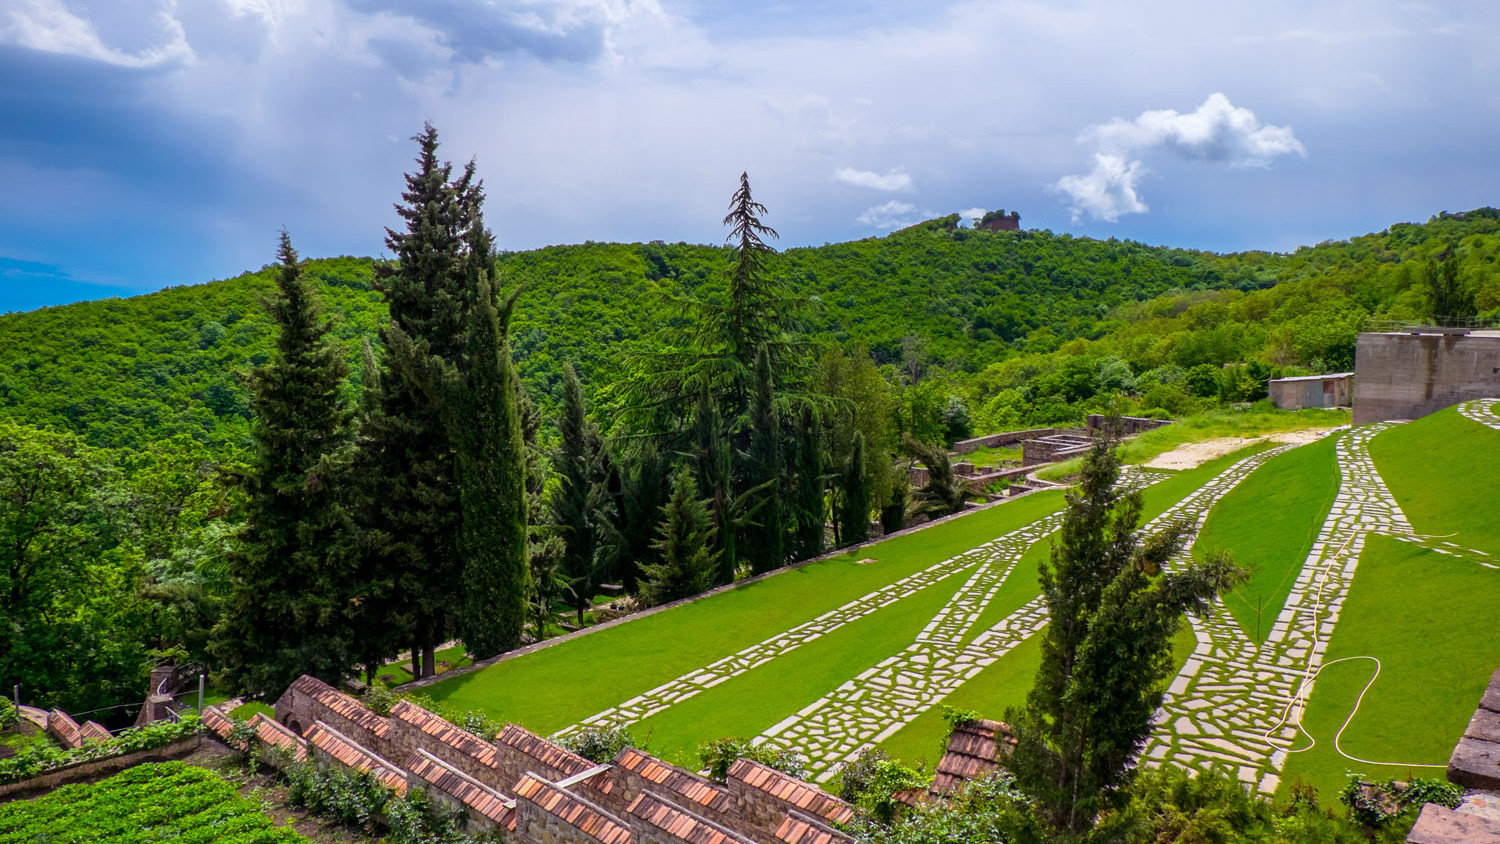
(1192, 455)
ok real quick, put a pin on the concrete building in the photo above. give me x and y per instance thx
(1409, 374)
(1331, 390)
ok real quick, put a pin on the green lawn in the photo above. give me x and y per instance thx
(992, 457)
(1269, 522)
(1439, 468)
(753, 702)
(399, 673)
(1430, 620)
(560, 685)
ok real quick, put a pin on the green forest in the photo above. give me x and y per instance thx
(664, 416)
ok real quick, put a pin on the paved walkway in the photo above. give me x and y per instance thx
(873, 706)
(1482, 411)
(1236, 702)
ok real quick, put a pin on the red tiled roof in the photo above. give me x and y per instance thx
(571, 809)
(973, 752)
(95, 731)
(444, 731)
(64, 728)
(351, 754)
(217, 722)
(278, 735)
(690, 787)
(682, 826)
(550, 755)
(798, 828)
(467, 790)
(341, 704)
(804, 796)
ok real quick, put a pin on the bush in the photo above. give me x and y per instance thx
(718, 755)
(1375, 805)
(599, 744)
(986, 811)
(8, 713)
(872, 779)
(341, 795)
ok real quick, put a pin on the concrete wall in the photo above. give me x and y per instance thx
(1305, 393)
(1407, 376)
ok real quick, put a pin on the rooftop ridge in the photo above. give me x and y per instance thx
(789, 789)
(342, 704)
(572, 810)
(697, 790)
(797, 828)
(352, 754)
(271, 732)
(466, 789)
(444, 731)
(649, 808)
(542, 750)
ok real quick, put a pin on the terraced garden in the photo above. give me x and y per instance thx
(861, 649)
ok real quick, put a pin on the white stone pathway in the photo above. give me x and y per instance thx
(1233, 691)
(1481, 411)
(873, 706)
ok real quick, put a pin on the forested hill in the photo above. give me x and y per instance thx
(126, 372)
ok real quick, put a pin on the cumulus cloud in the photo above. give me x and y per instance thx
(889, 215)
(1218, 132)
(972, 214)
(50, 27)
(894, 180)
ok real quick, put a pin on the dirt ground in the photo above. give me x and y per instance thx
(1191, 455)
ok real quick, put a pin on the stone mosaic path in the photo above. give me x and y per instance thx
(1482, 411)
(1236, 703)
(695, 682)
(873, 706)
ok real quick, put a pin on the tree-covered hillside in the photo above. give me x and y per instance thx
(934, 299)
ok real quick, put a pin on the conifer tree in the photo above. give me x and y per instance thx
(854, 512)
(766, 531)
(810, 486)
(576, 501)
(287, 613)
(714, 476)
(640, 481)
(687, 564)
(1106, 653)
(406, 465)
(377, 613)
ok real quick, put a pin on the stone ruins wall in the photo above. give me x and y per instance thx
(1407, 376)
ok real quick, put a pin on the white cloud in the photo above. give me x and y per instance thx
(49, 26)
(888, 215)
(972, 214)
(1106, 191)
(893, 180)
(1217, 132)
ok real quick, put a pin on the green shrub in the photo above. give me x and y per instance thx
(36, 760)
(1376, 805)
(599, 744)
(872, 779)
(8, 713)
(342, 795)
(718, 755)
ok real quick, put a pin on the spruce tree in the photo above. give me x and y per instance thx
(641, 482)
(766, 532)
(288, 609)
(406, 465)
(810, 486)
(854, 512)
(576, 500)
(1106, 653)
(688, 563)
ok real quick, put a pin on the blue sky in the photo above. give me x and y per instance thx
(147, 143)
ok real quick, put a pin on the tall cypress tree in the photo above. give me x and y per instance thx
(714, 474)
(287, 613)
(810, 483)
(575, 502)
(406, 457)
(766, 531)
(854, 514)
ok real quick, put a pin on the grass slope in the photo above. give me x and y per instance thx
(1269, 522)
(560, 685)
(169, 801)
(1430, 620)
(1440, 468)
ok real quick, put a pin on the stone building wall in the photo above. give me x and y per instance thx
(1407, 376)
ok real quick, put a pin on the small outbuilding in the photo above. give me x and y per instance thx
(1331, 390)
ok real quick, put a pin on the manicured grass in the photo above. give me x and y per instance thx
(399, 673)
(1430, 620)
(246, 711)
(1440, 468)
(989, 457)
(1269, 522)
(753, 702)
(169, 801)
(563, 684)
